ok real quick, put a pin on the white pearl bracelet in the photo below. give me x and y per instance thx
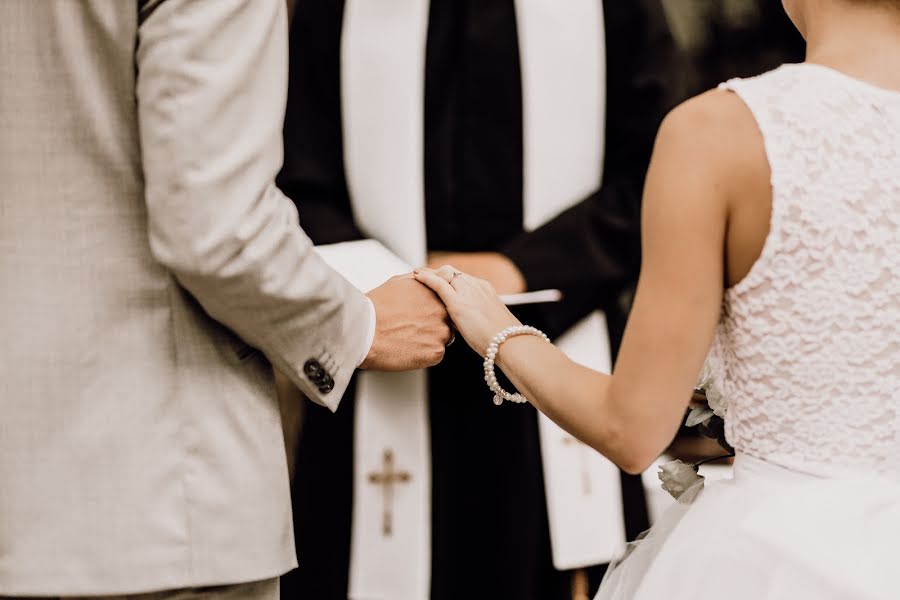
(490, 377)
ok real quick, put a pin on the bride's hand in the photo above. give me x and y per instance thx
(472, 303)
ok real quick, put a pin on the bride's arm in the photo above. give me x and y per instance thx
(699, 164)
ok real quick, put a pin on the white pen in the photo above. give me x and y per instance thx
(536, 297)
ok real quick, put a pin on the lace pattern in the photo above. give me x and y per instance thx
(808, 348)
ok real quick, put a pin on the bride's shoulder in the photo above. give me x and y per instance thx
(715, 133)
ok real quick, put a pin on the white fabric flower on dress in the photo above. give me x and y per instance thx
(700, 413)
(678, 477)
(700, 410)
(715, 405)
(716, 400)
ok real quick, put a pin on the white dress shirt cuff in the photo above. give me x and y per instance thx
(369, 338)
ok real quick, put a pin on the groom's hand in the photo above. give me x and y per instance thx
(411, 327)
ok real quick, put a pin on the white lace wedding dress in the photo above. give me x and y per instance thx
(808, 357)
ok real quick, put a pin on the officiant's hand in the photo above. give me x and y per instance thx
(478, 313)
(411, 327)
(497, 269)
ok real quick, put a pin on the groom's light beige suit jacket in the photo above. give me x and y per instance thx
(144, 255)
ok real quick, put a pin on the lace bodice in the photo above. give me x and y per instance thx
(807, 352)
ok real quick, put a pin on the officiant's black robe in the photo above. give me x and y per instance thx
(490, 527)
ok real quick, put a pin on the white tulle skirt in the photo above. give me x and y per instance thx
(768, 534)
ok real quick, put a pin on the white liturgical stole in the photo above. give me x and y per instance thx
(562, 48)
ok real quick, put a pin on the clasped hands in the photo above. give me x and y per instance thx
(415, 313)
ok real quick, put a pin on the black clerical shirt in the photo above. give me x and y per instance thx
(473, 126)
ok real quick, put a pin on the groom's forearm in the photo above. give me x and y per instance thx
(210, 101)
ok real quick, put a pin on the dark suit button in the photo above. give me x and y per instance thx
(313, 369)
(327, 385)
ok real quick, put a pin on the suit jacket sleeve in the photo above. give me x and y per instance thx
(592, 251)
(211, 86)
